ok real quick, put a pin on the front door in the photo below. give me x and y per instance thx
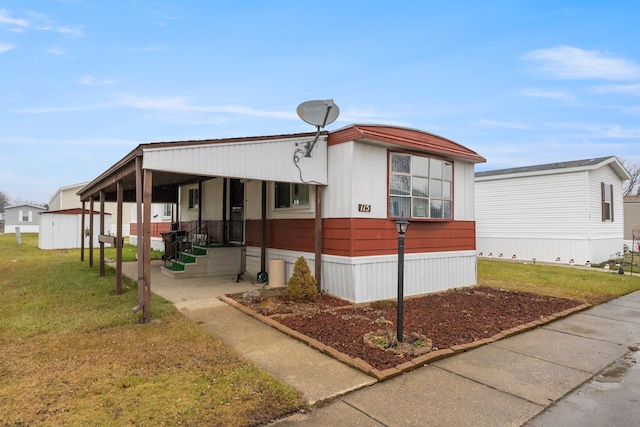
(236, 206)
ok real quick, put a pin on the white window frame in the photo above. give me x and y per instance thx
(21, 216)
(294, 189)
(420, 187)
(194, 198)
(167, 210)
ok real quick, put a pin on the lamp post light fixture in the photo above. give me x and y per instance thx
(401, 227)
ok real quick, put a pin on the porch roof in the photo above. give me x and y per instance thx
(174, 164)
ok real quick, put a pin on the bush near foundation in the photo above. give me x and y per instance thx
(302, 286)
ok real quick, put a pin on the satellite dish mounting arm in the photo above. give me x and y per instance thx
(311, 144)
(319, 114)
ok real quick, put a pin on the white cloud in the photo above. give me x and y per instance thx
(88, 80)
(177, 103)
(510, 125)
(545, 93)
(56, 51)
(600, 130)
(632, 89)
(6, 47)
(42, 24)
(567, 62)
(41, 110)
(13, 22)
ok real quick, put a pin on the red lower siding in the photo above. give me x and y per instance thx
(156, 228)
(364, 237)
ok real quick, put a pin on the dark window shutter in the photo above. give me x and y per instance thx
(611, 203)
(602, 204)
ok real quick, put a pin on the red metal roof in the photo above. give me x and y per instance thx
(406, 138)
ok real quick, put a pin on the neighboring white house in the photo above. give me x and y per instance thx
(558, 212)
(67, 198)
(24, 216)
(62, 229)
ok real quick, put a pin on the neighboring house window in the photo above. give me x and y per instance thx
(167, 210)
(289, 195)
(420, 187)
(25, 216)
(194, 198)
(607, 201)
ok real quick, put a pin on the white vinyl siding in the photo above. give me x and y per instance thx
(553, 205)
(357, 175)
(269, 160)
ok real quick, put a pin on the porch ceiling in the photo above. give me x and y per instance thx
(165, 184)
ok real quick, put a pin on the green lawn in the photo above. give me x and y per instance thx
(74, 353)
(593, 286)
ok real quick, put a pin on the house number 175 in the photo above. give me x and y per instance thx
(364, 208)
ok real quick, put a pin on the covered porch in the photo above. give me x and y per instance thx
(160, 172)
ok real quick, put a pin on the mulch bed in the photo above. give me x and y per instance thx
(448, 319)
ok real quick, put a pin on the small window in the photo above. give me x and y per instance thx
(420, 187)
(167, 210)
(288, 195)
(25, 216)
(607, 201)
(194, 198)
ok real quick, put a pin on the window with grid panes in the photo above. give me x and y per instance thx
(420, 187)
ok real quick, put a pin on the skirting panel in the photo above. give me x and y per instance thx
(365, 279)
(550, 250)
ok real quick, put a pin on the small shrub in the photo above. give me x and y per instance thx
(302, 286)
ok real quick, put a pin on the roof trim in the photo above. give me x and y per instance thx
(25, 204)
(558, 167)
(408, 138)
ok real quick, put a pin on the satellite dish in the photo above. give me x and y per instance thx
(318, 113)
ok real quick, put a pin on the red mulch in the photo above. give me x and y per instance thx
(458, 316)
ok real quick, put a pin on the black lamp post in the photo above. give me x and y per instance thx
(401, 227)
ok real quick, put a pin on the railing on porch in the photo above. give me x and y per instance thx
(184, 235)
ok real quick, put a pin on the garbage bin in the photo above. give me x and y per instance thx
(276, 273)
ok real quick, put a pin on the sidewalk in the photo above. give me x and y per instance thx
(505, 383)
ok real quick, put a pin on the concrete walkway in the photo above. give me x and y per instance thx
(506, 383)
(317, 376)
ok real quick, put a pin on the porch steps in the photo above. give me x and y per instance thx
(207, 261)
(178, 267)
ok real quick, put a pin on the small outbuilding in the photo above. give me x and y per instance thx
(62, 229)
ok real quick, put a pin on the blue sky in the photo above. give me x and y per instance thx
(83, 82)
